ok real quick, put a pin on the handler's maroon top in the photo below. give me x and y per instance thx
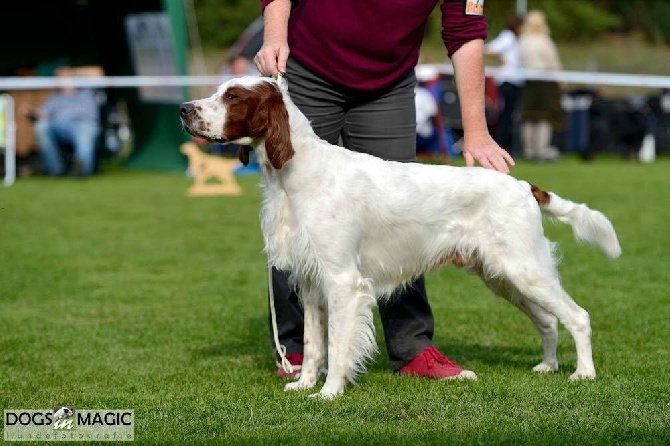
(371, 44)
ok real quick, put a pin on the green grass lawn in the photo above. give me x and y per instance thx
(121, 292)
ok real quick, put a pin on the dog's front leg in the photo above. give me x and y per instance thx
(351, 338)
(314, 338)
(338, 338)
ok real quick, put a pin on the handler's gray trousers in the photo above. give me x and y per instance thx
(383, 124)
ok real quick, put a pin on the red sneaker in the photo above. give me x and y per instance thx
(296, 362)
(432, 364)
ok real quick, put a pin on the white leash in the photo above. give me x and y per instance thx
(281, 350)
(285, 364)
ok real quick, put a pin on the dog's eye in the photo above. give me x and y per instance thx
(231, 96)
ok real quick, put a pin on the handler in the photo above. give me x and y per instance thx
(351, 72)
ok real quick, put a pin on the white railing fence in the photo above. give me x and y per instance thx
(591, 79)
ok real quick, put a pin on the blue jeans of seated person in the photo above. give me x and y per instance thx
(82, 134)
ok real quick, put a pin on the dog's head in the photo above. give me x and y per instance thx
(246, 111)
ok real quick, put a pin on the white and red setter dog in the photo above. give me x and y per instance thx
(351, 228)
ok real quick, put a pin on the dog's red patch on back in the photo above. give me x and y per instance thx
(542, 197)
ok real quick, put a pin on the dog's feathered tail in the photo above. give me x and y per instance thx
(587, 224)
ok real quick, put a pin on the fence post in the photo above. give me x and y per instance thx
(8, 125)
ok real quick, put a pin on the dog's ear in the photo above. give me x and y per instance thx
(243, 154)
(278, 134)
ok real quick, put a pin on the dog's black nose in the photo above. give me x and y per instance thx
(186, 108)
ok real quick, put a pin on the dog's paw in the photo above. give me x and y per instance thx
(464, 375)
(298, 385)
(324, 395)
(543, 367)
(329, 391)
(581, 376)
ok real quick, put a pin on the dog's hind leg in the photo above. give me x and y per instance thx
(545, 322)
(547, 325)
(541, 286)
(351, 338)
(314, 338)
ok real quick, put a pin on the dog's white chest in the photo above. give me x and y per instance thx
(280, 231)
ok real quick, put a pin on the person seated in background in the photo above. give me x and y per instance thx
(69, 115)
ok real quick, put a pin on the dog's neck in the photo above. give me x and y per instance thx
(301, 129)
(303, 140)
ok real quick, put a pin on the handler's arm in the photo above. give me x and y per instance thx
(273, 54)
(478, 145)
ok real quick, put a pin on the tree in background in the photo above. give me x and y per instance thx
(650, 17)
(222, 21)
(568, 19)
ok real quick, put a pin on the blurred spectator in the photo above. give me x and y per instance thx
(239, 61)
(71, 116)
(506, 46)
(541, 110)
(433, 138)
(428, 141)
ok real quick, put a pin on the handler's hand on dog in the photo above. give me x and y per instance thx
(481, 147)
(272, 57)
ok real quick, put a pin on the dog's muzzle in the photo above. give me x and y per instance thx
(190, 120)
(186, 109)
(187, 112)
